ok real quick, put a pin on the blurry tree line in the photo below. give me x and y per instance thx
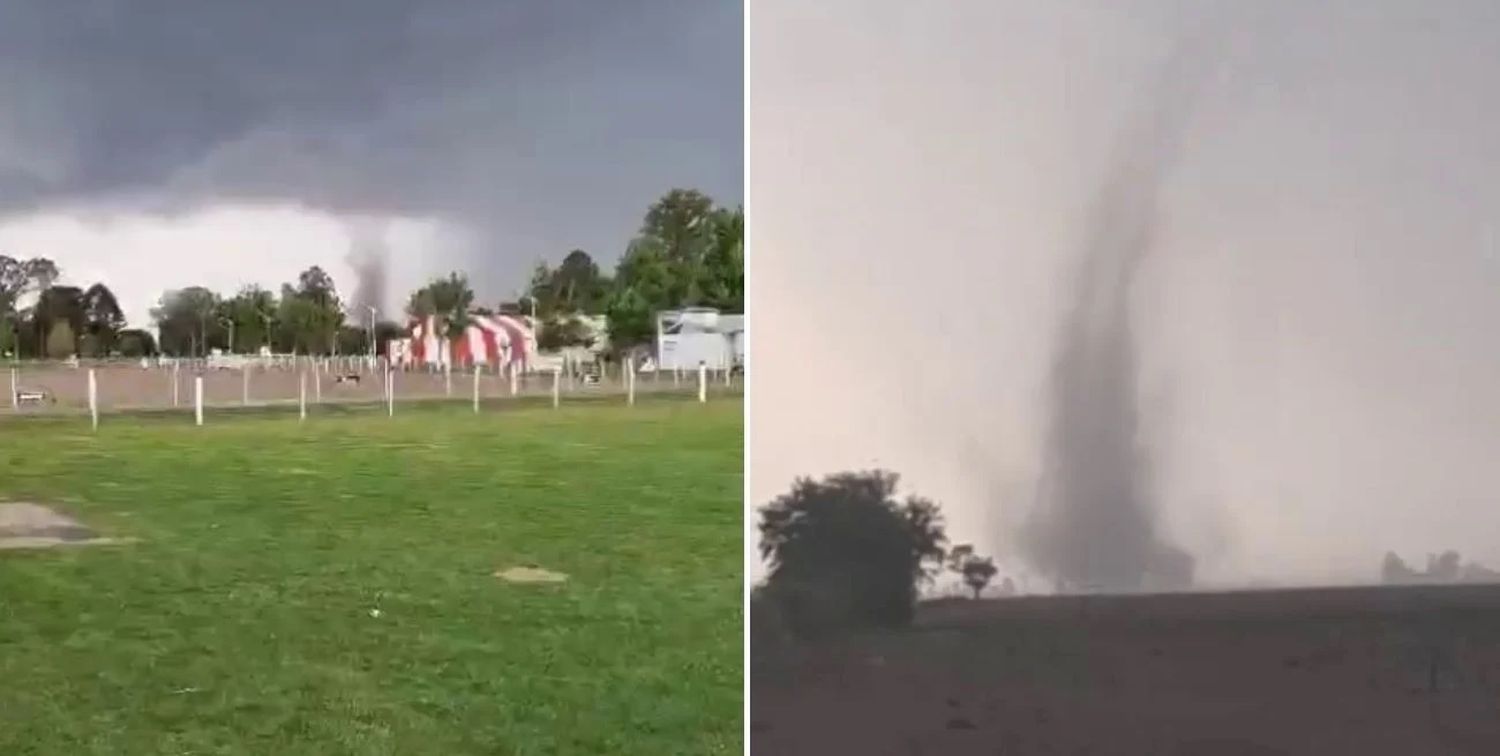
(1447, 567)
(61, 320)
(688, 252)
(305, 317)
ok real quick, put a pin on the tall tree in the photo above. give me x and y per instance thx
(450, 299)
(310, 314)
(185, 318)
(102, 318)
(687, 253)
(315, 284)
(56, 305)
(643, 287)
(18, 277)
(975, 571)
(12, 283)
(680, 226)
(722, 276)
(680, 222)
(577, 284)
(41, 273)
(253, 312)
(540, 292)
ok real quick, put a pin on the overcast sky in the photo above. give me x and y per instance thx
(155, 144)
(1318, 322)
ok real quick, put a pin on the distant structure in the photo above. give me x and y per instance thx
(685, 338)
(1447, 567)
(489, 340)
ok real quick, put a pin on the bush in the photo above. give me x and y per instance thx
(844, 553)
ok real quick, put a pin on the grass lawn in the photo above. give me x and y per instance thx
(328, 588)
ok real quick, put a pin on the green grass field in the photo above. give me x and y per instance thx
(244, 619)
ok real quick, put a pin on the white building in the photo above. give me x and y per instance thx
(684, 338)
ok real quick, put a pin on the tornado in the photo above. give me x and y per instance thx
(369, 256)
(1094, 525)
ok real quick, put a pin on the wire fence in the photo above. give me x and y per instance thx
(202, 386)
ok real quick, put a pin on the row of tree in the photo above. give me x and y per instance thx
(62, 320)
(688, 252)
(1447, 567)
(308, 317)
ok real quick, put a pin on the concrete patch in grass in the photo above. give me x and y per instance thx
(26, 525)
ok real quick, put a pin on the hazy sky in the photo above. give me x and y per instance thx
(1319, 320)
(156, 144)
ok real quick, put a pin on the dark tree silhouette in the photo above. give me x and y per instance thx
(977, 572)
(136, 343)
(974, 570)
(103, 319)
(843, 552)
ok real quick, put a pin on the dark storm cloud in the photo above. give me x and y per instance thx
(544, 125)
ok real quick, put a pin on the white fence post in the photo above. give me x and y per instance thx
(556, 387)
(476, 389)
(702, 382)
(198, 399)
(390, 393)
(175, 381)
(513, 374)
(15, 398)
(93, 399)
(447, 379)
(245, 385)
(302, 396)
(317, 385)
(629, 372)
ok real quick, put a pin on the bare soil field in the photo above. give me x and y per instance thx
(1373, 670)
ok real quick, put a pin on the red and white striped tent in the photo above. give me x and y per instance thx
(497, 340)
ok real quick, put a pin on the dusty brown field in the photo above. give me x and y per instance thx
(131, 387)
(1412, 670)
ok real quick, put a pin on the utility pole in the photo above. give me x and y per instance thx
(266, 318)
(373, 347)
(229, 323)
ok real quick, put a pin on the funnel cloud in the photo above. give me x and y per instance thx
(1095, 523)
(370, 258)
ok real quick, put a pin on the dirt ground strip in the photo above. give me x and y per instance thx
(131, 387)
(1409, 670)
